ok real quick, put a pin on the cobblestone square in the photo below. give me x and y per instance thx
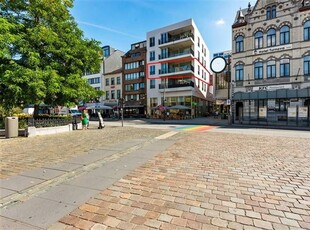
(216, 179)
(209, 180)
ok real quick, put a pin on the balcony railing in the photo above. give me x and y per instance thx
(177, 69)
(177, 37)
(176, 54)
(169, 86)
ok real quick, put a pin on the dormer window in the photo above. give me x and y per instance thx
(271, 12)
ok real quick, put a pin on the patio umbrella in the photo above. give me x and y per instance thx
(99, 107)
(179, 107)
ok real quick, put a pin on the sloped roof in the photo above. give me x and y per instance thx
(242, 13)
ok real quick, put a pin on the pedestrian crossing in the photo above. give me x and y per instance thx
(196, 128)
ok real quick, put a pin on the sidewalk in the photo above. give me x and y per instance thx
(28, 198)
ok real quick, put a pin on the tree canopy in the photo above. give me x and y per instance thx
(43, 54)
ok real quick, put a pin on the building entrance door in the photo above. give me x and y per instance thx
(239, 111)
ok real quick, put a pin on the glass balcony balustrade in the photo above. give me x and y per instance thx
(176, 85)
(177, 69)
(177, 37)
(176, 54)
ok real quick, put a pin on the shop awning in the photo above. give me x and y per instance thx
(276, 94)
(281, 93)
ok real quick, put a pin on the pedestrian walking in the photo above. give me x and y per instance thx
(84, 120)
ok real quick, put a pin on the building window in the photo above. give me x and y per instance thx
(112, 94)
(239, 44)
(94, 80)
(118, 92)
(307, 31)
(285, 68)
(152, 55)
(284, 35)
(239, 72)
(271, 37)
(107, 95)
(112, 81)
(152, 70)
(118, 80)
(107, 82)
(258, 70)
(307, 65)
(152, 41)
(152, 84)
(153, 102)
(271, 69)
(164, 38)
(164, 53)
(271, 12)
(268, 13)
(258, 43)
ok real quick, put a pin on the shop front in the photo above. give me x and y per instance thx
(282, 107)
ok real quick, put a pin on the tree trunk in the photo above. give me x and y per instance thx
(36, 110)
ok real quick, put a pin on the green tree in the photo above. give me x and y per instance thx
(43, 54)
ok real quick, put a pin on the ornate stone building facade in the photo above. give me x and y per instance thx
(271, 63)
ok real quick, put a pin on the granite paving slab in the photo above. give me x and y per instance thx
(66, 167)
(19, 183)
(6, 192)
(85, 159)
(43, 173)
(37, 212)
(68, 194)
(92, 181)
(8, 224)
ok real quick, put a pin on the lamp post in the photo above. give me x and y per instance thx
(164, 99)
(121, 101)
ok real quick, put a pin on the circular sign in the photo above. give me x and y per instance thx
(218, 64)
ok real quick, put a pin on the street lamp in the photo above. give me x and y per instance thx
(164, 99)
(121, 104)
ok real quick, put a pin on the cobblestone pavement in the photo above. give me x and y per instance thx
(21, 154)
(209, 180)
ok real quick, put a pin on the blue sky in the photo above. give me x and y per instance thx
(119, 23)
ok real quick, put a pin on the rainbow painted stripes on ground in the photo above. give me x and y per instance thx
(196, 128)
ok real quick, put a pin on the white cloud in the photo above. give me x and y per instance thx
(220, 22)
(109, 29)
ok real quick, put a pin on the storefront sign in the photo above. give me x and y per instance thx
(291, 111)
(303, 112)
(271, 104)
(272, 87)
(262, 112)
(273, 49)
(219, 102)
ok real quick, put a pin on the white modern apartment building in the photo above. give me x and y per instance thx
(177, 70)
(271, 63)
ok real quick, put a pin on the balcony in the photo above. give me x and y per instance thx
(186, 37)
(177, 54)
(176, 87)
(177, 69)
(169, 86)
